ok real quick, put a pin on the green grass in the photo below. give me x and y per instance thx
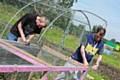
(113, 60)
(98, 76)
(55, 35)
(71, 42)
(7, 11)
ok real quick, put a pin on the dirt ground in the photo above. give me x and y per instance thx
(110, 71)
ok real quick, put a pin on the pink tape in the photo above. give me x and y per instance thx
(33, 68)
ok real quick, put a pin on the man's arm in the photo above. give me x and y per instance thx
(98, 59)
(97, 62)
(82, 50)
(30, 38)
(21, 31)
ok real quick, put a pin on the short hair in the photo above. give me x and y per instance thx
(101, 28)
(46, 20)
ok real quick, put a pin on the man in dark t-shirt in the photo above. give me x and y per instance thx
(27, 26)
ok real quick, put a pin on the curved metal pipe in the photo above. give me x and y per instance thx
(86, 18)
(96, 16)
(66, 31)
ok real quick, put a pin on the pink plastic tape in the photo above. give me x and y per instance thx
(33, 68)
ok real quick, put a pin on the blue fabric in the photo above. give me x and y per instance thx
(90, 41)
(12, 37)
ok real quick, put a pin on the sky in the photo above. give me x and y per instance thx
(107, 9)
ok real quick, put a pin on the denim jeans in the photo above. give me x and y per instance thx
(12, 37)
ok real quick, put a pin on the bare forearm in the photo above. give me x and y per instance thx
(21, 31)
(82, 50)
(99, 60)
(30, 37)
(95, 67)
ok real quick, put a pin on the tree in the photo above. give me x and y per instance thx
(66, 3)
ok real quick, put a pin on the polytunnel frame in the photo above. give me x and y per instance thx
(27, 6)
(65, 11)
(97, 16)
(82, 11)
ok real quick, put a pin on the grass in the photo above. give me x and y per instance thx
(56, 36)
(113, 60)
(98, 76)
(7, 11)
(71, 42)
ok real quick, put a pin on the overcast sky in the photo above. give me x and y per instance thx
(107, 9)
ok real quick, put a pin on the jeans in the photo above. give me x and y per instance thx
(12, 37)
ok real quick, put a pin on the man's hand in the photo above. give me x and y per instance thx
(95, 67)
(85, 64)
(26, 42)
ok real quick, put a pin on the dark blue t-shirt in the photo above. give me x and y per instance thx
(91, 48)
